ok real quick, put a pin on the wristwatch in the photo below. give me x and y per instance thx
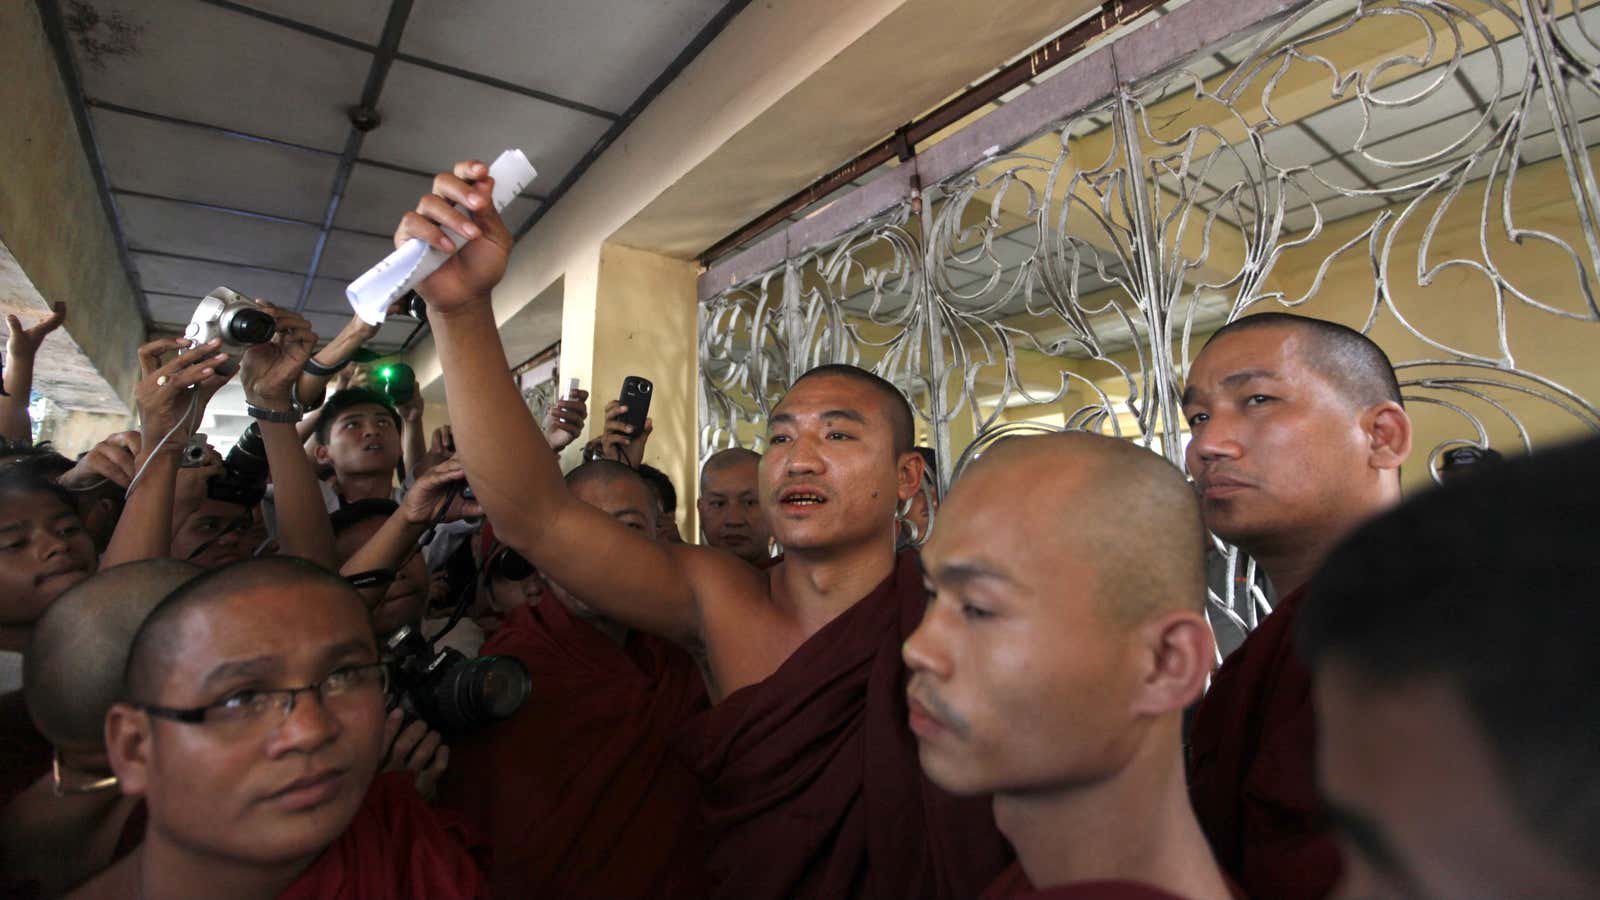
(313, 367)
(293, 414)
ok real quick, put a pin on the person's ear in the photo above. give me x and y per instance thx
(320, 451)
(1180, 651)
(127, 734)
(908, 475)
(1388, 430)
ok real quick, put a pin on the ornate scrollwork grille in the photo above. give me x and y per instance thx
(1417, 169)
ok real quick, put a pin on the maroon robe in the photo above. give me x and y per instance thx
(396, 846)
(1013, 884)
(579, 791)
(813, 787)
(24, 753)
(1252, 768)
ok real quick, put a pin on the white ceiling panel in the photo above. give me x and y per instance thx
(192, 231)
(359, 19)
(375, 199)
(170, 311)
(327, 296)
(348, 255)
(192, 279)
(432, 120)
(191, 164)
(209, 64)
(393, 333)
(326, 325)
(600, 52)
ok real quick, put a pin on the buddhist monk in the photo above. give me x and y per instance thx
(730, 506)
(252, 726)
(811, 782)
(1065, 636)
(68, 827)
(1453, 642)
(606, 811)
(1298, 436)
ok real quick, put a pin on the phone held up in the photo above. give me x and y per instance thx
(636, 393)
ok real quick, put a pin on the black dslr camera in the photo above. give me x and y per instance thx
(453, 694)
(244, 471)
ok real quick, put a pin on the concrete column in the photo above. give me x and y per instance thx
(629, 312)
(56, 243)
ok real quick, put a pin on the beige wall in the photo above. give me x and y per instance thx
(54, 228)
(641, 307)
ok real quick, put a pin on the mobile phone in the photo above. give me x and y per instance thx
(636, 397)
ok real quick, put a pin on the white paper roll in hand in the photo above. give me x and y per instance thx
(372, 293)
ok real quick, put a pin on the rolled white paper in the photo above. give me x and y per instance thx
(372, 293)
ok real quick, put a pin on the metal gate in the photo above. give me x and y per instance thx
(1419, 170)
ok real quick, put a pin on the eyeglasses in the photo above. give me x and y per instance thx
(61, 788)
(343, 688)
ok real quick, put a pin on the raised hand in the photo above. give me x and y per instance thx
(467, 278)
(23, 343)
(563, 421)
(113, 460)
(166, 391)
(619, 442)
(415, 747)
(422, 501)
(268, 371)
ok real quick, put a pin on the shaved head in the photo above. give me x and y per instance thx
(1066, 632)
(895, 407)
(1109, 500)
(601, 471)
(157, 641)
(616, 490)
(73, 671)
(726, 459)
(1348, 359)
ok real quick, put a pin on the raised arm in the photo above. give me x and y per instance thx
(171, 399)
(268, 373)
(22, 348)
(514, 473)
(397, 538)
(332, 359)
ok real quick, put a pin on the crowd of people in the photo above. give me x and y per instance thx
(353, 660)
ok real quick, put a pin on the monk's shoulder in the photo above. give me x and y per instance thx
(726, 587)
(116, 882)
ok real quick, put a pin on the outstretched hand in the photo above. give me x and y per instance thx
(563, 421)
(113, 459)
(619, 442)
(166, 391)
(23, 343)
(268, 371)
(466, 278)
(421, 504)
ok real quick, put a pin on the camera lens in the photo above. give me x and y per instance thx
(512, 566)
(247, 325)
(474, 693)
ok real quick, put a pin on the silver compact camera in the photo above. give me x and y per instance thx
(235, 319)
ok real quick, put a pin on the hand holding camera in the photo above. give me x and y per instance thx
(628, 425)
(173, 394)
(447, 479)
(271, 368)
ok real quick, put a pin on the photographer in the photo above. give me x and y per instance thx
(391, 548)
